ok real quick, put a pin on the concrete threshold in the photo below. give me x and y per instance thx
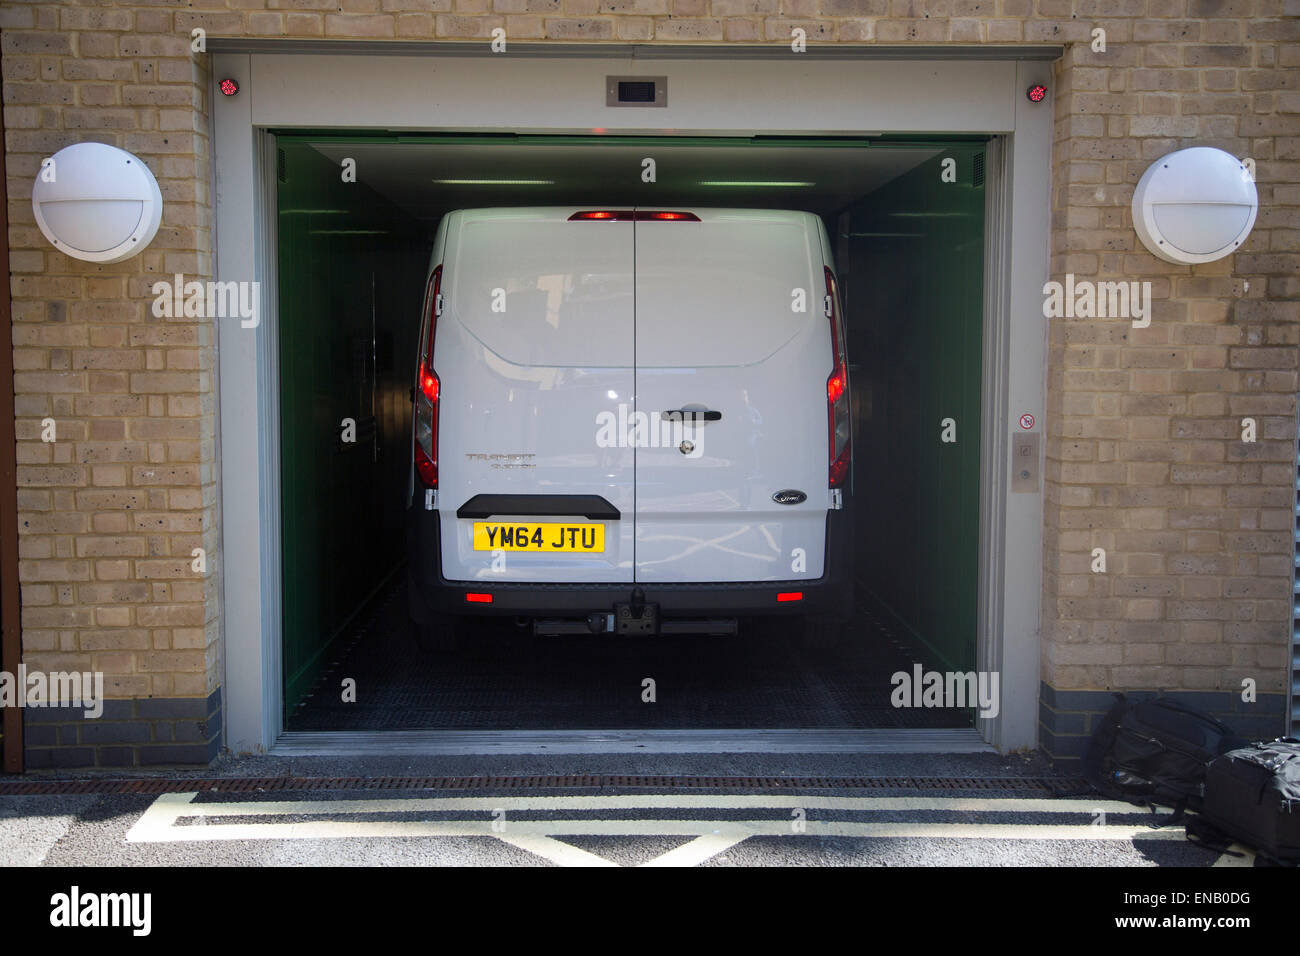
(461, 743)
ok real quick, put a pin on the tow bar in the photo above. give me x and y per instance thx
(633, 617)
(636, 617)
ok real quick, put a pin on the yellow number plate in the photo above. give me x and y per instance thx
(491, 536)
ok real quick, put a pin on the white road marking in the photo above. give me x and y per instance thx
(158, 824)
(333, 829)
(697, 851)
(557, 851)
(646, 802)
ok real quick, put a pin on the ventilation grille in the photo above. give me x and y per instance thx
(280, 172)
(636, 91)
(979, 170)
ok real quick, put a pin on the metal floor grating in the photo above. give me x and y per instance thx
(1051, 786)
(509, 681)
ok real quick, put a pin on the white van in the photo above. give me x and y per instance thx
(630, 421)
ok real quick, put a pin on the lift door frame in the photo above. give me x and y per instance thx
(548, 88)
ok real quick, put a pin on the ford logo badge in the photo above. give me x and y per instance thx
(789, 497)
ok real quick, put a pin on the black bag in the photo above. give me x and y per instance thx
(1155, 751)
(1253, 795)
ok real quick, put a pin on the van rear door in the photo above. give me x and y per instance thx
(534, 350)
(730, 323)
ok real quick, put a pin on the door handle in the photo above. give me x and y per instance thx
(700, 413)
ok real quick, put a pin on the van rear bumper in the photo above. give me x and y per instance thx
(432, 593)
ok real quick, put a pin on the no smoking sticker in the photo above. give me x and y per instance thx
(1026, 421)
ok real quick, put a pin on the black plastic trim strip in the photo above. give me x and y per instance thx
(589, 506)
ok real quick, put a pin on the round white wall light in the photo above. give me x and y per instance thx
(1195, 205)
(96, 202)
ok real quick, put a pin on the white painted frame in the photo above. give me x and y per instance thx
(248, 416)
(1292, 690)
(829, 95)
(1017, 262)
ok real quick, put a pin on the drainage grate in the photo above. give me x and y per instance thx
(1051, 786)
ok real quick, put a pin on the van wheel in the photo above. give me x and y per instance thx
(439, 634)
(821, 631)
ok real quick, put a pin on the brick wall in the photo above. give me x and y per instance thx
(1144, 452)
(1141, 455)
(110, 512)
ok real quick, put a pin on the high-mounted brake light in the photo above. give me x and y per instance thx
(643, 215)
(428, 387)
(603, 215)
(478, 597)
(638, 215)
(837, 394)
(789, 596)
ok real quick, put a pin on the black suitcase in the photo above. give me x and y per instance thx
(1253, 795)
(1156, 751)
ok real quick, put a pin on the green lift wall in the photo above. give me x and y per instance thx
(351, 282)
(915, 311)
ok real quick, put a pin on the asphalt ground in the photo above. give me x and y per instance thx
(113, 830)
(959, 810)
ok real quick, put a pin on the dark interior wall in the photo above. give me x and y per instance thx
(351, 283)
(914, 291)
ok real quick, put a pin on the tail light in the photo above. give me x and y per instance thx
(427, 387)
(837, 393)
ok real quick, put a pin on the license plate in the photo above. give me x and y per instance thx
(582, 538)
